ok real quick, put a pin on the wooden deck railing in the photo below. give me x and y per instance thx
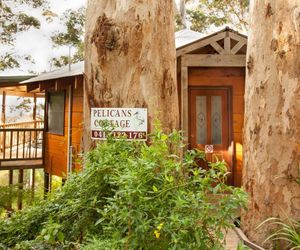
(28, 124)
(21, 149)
(21, 141)
(21, 144)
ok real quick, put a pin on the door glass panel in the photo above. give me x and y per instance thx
(216, 119)
(201, 119)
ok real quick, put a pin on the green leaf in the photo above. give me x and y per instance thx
(60, 236)
(154, 188)
(47, 237)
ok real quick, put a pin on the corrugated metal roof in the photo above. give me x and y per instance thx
(186, 36)
(76, 69)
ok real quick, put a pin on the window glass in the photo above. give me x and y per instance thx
(56, 112)
(201, 119)
(216, 119)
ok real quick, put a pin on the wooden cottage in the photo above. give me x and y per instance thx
(211, 84)
(63, 90)
(211, 79)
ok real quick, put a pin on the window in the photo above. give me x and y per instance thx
(56, 112)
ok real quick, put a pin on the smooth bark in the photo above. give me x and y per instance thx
(272, 111)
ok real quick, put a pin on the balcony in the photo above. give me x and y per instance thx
(22, 145)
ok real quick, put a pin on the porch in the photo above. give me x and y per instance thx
(21, 139)
(21, 154)
(21, 145)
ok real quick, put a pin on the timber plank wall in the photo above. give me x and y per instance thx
(56, 146)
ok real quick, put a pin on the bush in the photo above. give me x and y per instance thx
(133, 196)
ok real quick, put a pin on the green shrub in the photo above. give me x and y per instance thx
(133, 196)
(162, 203)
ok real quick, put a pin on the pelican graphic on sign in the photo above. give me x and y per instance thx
(138, 120)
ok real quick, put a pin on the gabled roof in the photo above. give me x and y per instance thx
(203, 41)
(192, 36)
(76, 69)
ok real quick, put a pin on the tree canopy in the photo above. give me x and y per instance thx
(13, 21)
(201, 15)
(73, 21)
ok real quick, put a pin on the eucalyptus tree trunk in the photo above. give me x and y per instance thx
(272, 111)
(130, 59)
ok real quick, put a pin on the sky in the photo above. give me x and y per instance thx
(37, 43)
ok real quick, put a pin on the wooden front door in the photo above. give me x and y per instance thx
(209, 122)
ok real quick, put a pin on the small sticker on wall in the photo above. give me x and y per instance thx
(209, 149)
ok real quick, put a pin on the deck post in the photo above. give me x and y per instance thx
(20, 183)
(32, 183)
(10, 183)
(32, 171)
(46, 183)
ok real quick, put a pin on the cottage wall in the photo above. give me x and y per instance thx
(56, 146)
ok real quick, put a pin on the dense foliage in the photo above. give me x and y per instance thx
(215, 12)
(73, 36)
(202, 15)
(13, 21)
(133, 195)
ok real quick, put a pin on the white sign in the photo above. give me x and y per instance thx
(209, 149)
(128, 123)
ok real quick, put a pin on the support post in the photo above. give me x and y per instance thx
(10, 183)
(20, 183)
(32, 183)
(32, 171)
(46, 183)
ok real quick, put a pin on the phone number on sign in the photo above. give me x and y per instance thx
(130, 135)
